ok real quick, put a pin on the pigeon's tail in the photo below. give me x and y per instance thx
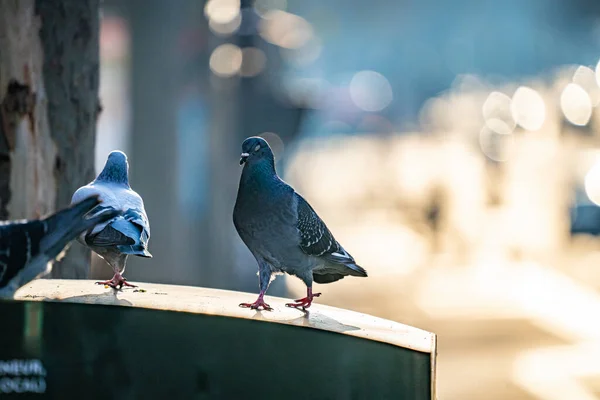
(125, 235)
(65, 225)
(335, 272)
(135, 250)
(356, 270)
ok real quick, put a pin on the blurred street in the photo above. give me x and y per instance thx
(452, 147)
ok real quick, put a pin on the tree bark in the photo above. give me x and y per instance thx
(70, 38)
(27, 151)
(49, 56)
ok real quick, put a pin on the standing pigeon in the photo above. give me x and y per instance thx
(127, 234)
(282, 230)
(28, 248)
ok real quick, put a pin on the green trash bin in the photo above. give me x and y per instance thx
(70, 339)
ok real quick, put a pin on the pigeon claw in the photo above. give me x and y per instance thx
(303, 303)
(257, 305)
(117, 282)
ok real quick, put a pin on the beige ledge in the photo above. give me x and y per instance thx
(226, 303)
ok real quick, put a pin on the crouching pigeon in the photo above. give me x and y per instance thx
(129, 233)
(28, 248)
(282, 230)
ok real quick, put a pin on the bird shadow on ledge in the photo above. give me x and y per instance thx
(321, 321)
(311, 319)
(107, 298)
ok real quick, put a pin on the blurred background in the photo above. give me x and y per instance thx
(452, 146)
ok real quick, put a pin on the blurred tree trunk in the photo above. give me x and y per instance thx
(49, 103)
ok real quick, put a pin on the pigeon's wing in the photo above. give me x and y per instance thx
(136, 213)
(316, 240)
(108, 203)
(70, 222)
(315, 237)
(26, 247)
(19, 243)
(135, 223)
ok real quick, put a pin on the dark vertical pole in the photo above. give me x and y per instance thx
(224, 133)
(154, 28)
(227, 132)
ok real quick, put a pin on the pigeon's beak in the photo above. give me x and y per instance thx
(243, 158)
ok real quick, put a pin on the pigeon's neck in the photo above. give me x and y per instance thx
(259, 173)
(113, 173)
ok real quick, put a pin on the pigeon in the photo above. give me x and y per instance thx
(282, 231)
(125, 235)
(28, 248)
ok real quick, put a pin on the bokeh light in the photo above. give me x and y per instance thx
(222, 11)
(253, 61)
(370, 91)
(114, 38)
(528, 108)
(499, 126)
(225, 29)
(592, 183)
(496, 146)
(497, 113)
(576, 104)
(304, 55)
(275, 142)
(586, 78)
(226, 60)
(285, 30)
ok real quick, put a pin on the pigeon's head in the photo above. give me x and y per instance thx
(117, 156)
(255, 149)
(116, 168)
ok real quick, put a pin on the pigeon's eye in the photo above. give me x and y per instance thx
(257, 147)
